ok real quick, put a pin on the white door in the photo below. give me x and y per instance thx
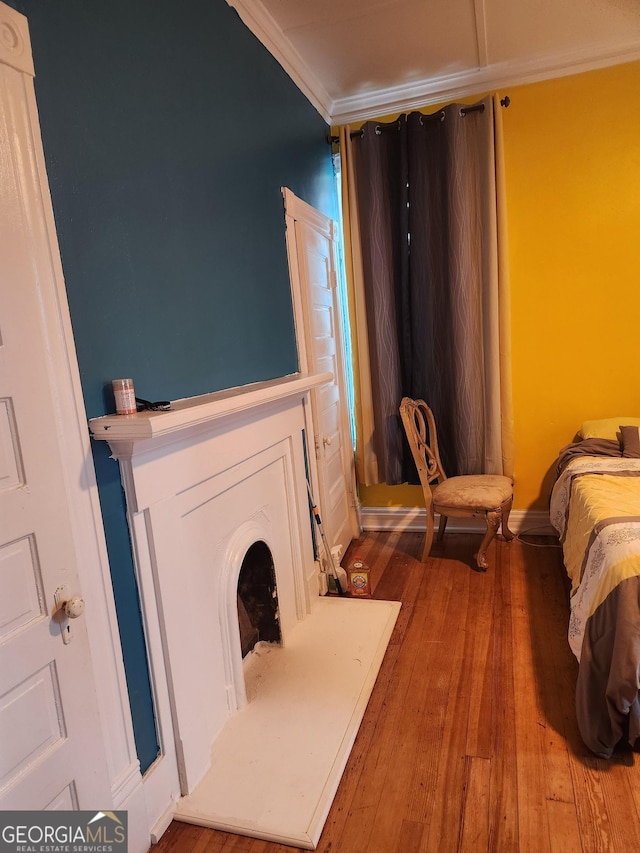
(51, 749)
(312, 253)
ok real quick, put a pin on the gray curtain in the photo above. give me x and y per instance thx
(425, 201)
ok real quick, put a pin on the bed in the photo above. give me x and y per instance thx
(595, 507)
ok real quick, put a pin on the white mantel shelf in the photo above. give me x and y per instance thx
(193, 411)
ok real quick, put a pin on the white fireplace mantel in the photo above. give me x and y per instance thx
(121, 431)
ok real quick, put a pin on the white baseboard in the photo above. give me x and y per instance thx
(162, 824)
(400, 518)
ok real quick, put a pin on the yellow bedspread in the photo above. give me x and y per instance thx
(597, 501)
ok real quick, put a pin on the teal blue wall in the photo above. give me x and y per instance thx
(168, 132)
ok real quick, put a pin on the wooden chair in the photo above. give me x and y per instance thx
(488, 496)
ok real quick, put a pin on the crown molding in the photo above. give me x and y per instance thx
(429, 90)
(435, 90)
(262, 25)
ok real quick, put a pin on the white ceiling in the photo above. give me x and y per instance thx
(356, 59)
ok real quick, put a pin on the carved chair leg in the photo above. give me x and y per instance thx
(428, 541)
(442, 524)
(493, 523)
(508, 535)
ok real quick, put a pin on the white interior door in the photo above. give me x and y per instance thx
(312, 254)
(51, 746)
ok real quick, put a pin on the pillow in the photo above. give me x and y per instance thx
(607, 428)
(630, 441)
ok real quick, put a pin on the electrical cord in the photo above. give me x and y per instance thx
(544, 531)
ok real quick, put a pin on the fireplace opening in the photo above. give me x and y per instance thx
(258, 615)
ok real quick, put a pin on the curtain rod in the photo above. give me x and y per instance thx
(504, 102)
(476, 108)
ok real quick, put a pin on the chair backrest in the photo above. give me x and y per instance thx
(420, 428)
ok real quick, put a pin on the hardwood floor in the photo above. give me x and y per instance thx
(469, 741)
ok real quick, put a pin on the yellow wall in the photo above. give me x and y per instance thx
(572, 158)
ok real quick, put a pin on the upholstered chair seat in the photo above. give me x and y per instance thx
(474, 491)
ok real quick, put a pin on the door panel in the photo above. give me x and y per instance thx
(320, 347)
(51, 750)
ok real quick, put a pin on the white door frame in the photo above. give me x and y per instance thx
(298, 210)
(69, 421)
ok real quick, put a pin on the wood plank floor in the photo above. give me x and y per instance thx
(469, 741)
